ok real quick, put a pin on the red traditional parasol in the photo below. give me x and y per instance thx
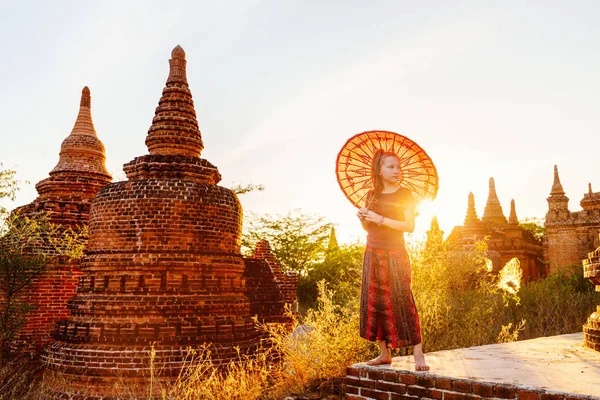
(353, 166)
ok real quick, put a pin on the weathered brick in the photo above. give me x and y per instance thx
(483, 390)
(417, 391)
(391, 376)
(504, 392)
(443, 383)
(373, 394)
(352, 389)
(459, 396)
(527, 395)
(352, 371)
(353, 381)
(408, 379)
(548, 396)
(391, 387)
(395, 396)
(375, 374)
(462, 386)
(425, 381)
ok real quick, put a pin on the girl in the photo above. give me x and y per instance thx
(387, 307)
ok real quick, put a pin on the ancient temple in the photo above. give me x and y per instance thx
(591, 329)
(570, 235)
(163, 268)
(507, 240)
(65, 196)
(269, 288)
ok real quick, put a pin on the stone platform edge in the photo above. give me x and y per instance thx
(373, 383)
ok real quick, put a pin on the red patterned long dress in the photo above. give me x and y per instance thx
(387, 306)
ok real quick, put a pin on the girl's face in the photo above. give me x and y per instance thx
(390, 169)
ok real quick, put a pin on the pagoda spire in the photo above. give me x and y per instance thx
(84, 124)
(82, 151)
(471, 217)
(435, 236)
(557, 189)
(333, 243)
(174, 129)
(435, 226)
(493, 210)
(512, 219)
(558, 203)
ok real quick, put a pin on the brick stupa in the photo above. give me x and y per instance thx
(162, 268)
(65, 196)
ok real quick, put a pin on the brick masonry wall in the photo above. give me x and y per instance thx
(269, 289)
(568, 244)
(375, 384)
(162, 269)
(66, 200)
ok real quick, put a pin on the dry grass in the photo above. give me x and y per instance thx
(309, 358)
(460, 305)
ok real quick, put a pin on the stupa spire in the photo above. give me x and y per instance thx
(493, 210)
(512, 219)
(333, 243)
(435, 226)
(434, 235)
(82, 151)
(177, 63)
(84, 124)
(471, 217)
(174, 129)
(557, 189)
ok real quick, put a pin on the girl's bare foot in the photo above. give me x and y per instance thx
(382, 359)
(420, 364)
(385, 356)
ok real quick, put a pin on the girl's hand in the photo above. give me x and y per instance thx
(372, 217)
(362, 213)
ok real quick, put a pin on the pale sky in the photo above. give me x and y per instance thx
(488, 88)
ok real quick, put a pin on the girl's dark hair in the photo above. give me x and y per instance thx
(378, 158)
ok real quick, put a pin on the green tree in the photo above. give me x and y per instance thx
(535, 226)
(298, 240)
(30, 245)
(243, 189)
(8, 188)
(340, 270)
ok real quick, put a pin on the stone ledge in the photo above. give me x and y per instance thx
(548, 368)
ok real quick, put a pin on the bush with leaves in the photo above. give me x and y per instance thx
(340, 269)
(298, 240)
(30, 246)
